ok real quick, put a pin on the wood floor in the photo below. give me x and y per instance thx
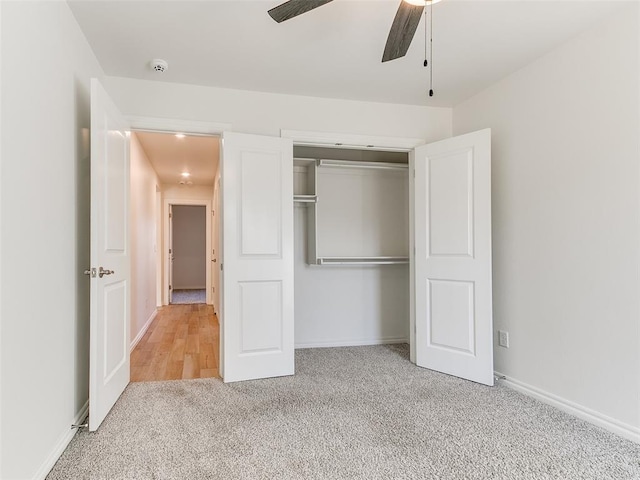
(182, 342)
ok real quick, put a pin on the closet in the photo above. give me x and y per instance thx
(328, 246)
(351, 229)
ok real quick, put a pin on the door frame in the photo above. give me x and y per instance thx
(166, 205)
(378, 143)
(190, 127)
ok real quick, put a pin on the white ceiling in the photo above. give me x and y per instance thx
(332, 51)
(170, 156)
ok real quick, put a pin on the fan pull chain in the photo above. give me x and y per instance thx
(430, 49)
(426, 63)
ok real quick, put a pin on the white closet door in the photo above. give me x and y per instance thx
(452, 268)
(257, 265)
(110, 257)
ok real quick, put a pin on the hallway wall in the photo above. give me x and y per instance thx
(143, 227)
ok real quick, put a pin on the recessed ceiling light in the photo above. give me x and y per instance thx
(185, 174)
(180, 135)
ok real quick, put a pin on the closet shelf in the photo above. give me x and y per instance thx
(356, 164)
(305, 198)
(362, 260)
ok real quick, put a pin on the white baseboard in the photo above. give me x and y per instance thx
(143, 330)
(352, 343)
(189, 288)
(61, 444)
(611, 424)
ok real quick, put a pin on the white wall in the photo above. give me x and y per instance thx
(189, 247)
(144, 183)
(347, 305)
(268, 113)
(566, 232)
(46, 67)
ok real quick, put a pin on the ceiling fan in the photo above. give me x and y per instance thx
(402, 30)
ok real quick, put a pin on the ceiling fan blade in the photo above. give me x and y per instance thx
(402, 30)
(293, 8)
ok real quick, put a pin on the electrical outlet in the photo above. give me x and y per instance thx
(503, 338)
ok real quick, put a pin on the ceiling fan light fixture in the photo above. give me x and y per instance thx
(422, 3)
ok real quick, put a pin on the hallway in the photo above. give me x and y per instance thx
(182, 342)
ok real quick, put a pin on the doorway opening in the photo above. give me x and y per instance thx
(187, 248)
(351, 234)
(172, 196)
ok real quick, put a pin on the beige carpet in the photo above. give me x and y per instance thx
(348, 413)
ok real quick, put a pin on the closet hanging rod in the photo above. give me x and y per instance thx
(363, 260)
(355, 164)
(305, 198)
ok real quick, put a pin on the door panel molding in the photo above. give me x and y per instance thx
(109, 335)
(451, 264)
(256, 320)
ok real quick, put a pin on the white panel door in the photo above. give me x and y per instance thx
(215, 270)
(110, 277)
(257, 257)
(170, 253)
(451, 213)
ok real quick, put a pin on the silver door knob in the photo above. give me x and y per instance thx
(214, 260)
(102, 272)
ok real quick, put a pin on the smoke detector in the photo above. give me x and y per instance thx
(159, 65)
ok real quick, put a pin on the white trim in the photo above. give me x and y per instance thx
(156, 124)
(611, 424)
(1, 236)
(62, 443)
(342, 140)
(353, 343)
(143, 330)
(176, 200)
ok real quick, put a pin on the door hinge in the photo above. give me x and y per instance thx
(221, 267)
(91, 272)
(169, 287)
(169, 250)
(170, 215)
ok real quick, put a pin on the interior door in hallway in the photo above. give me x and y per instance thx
(451, 211)
(170, 253)
(110, 256)
(257, 262)
(215, 238)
